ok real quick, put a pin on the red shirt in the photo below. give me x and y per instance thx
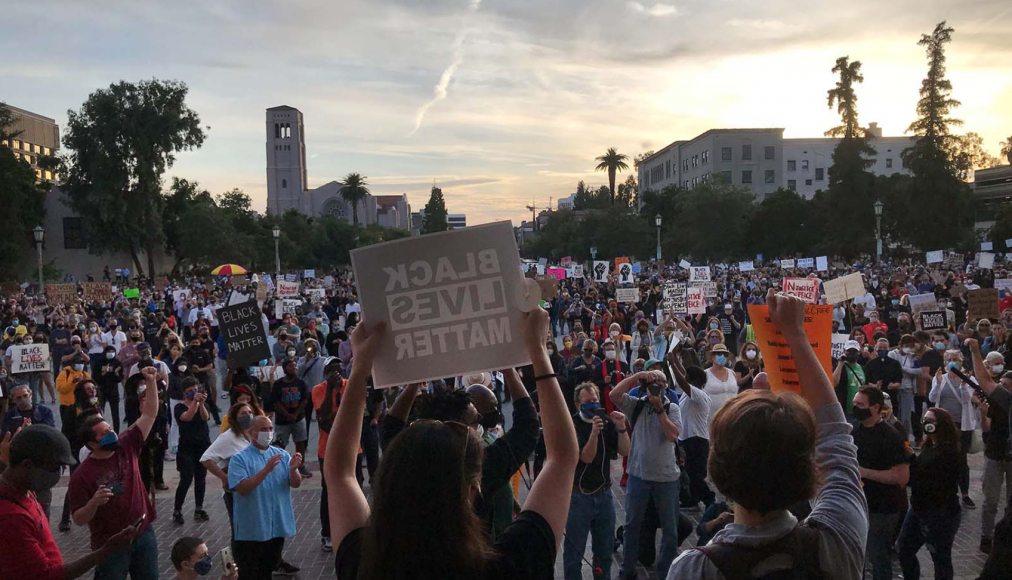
(124, 509)
(29, 550)
(872, 328)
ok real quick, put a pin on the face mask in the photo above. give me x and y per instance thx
(567, 344)
(15, 322)
(78, 367)
(713, 326)
(883, 353)
(182, 368)
(110, 355)
(614, 333)
(952, 365)
(997, 369)
(862, 414)
(264, 438)
(291, 353)
(93, 401)
(203, 566)
(25, 404)
(27, 341)
(609, 354)
(587, 409)
(908, 350)
(852, 357)
(895, 302)
(244, 421)
(930, 427)
(109, 441)
(750, 354)
(939, 345)
(720, 359)
(42, 480)
(190, 395)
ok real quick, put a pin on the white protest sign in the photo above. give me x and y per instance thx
(287, 289)
(309, 274)
(746, 266)
(29, 358)
(236, 297)
(286, 306)
(935, 257)
(695, 302)
(709, 288)
(627, 295)
(686, 265)
(699, 274)
(601, 270)
(839, 340)
(268, 281)
(822, 263)
(806, 262)
(844, 288)
(625, 272)
(921, 302)
(674, 297)
(806, 289)
(577, 271)
(291, 277)
(180, 295)
(786, 263)
(317, 294)
(1003, 284)
(1008, 243)
(452, 301)
(985, 260)
(986, 246)
(328, 281)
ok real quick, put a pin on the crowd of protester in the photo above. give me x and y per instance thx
(861, 470)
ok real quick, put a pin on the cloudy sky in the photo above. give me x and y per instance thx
(501, 102)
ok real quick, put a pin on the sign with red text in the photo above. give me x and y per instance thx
(30, 358)
(806, 289)
(287, 289)
(695, 301)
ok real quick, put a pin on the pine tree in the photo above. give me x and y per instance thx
(435, 213)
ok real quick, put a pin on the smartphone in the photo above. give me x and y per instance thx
(116, 487)
(226, 559)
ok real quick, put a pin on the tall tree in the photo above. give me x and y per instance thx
(435, 213)
(612, 161)
(845, 98)
(933, 108)
(968, 154)
(353, 190)
(628, 192)
(1006, 148)
(119, 144)
(21, 198)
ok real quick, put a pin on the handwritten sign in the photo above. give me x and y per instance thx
(986, 246)
(629, 295)
(601, 270)
(844, 288)
(780, 367)
(566, 261)
(786, 263)
(709, 288)
(261, 294)
(30, 358)
(317, 294)
(699, 274)
(284, 306)
(453, 302)
(983, 302)
(821, 264)
(935, 257)
(288, 289)
(675, 297)
(806, 289)
(65, 294)
(921, 302)
(934, 320)
(694, 301)
(98, 291)
(244, 335)
(839, 341)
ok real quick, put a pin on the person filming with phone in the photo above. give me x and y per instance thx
(191, 559)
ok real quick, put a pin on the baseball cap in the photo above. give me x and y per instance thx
(851, 345)
(42, 444)
(650, 363)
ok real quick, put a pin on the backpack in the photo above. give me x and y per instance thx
(801, 545)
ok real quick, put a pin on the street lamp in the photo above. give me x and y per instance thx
(878, 205)
(657, 222)
(593, 252)
(40, 235)
(276, 231)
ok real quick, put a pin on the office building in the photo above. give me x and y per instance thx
(37, 137)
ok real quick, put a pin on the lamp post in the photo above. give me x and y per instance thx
(276, 231)
(878, 231)
(40, 235)
(657, 222)
(593, 252)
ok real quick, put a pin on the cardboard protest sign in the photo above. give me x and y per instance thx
(921, 302)
(786, 263)
(453, 302)
(821, 264)
(675, 297)
(684, 264)
(317, 294)
(1003, 284)
(29, 358)
(709, 288)
(98, 291)
(986, 246)
(934, 320)
(284, 306)
(577, 271)
(549, 287)
(806, 289)
(935, 257)
(630, 295)
(65, 294)
(243, 331)
(699, 274)
(695, 302)
(746, 266)
(780, 368)
(261, 294)
(983, 303)
(558, 273)
(938, 278)
(625, 275)
(839, 341)
(287, 289)
(844, 288)
(806, 262)
(566, 261)
(601, 270)
(985, 260)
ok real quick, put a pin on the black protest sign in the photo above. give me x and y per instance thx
(243, 331)
(933, 320)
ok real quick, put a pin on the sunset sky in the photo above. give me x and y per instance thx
(499, 101)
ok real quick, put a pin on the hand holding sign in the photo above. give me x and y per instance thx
(787, 313)
(365, 341)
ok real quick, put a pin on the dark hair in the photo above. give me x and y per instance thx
(440, 537)
(443, 406)
(233, 414)
(762, 450)
(874, 395)
(190, 381)
(183, 550)
(696, 376)
(946, 434)
(86, 431)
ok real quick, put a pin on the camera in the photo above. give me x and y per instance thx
(654, 389)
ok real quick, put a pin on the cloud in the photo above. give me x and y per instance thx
(658, 9)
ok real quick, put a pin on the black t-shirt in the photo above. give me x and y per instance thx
(934, 480)
(883, 371)
(744, 369)
(525, 550)
(595, 476)
(996, 444)
(198, 357)
(880, 447)
(108, 375)
(931, 359)
(192, 433)
(290, 393)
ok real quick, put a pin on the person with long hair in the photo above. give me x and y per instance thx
(750, 363)
(933, 517)
(951, 393)
(421, 524)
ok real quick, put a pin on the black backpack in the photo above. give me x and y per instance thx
(800, 546)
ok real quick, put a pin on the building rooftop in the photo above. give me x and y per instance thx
(282, 108)
(24, 113)
(708, 133)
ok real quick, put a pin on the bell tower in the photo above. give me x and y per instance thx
(286, 160)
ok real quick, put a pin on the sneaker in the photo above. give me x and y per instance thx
(985, 545)
(177, 518)
(286, 569)
(161, 486)
(968, 503)
(200, 516)
(65, 526)
(326, 545)
(305, 472)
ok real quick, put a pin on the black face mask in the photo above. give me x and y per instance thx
(862, 414)
(491, 420)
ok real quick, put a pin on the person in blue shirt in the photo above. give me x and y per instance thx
(262, 477)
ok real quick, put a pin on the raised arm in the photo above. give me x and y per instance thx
(551, 492)
(149, 411)
(788, 314)
(980, 371)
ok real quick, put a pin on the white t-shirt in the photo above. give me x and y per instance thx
(720, 391)
(162, 368)
(192, 316)
(695, 414)
(223, 448)
(117, 340)
(868, 301)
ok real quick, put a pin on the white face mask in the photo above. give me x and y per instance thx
(750, 354)
(609, 354)
(110, 355)
(264, 438)
(615, 333)
(908, 350)
(997, 369)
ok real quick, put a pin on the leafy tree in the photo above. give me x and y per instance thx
(782, 224)
(845, 99)
(1006, 148)
(592, 199)
(120, 144)
(565, 234)
(435, 213)
(21, 198)
(711, 221)
(612, 161)
(628, 192)
(1002, 229)
(968, 154)
(353, 190)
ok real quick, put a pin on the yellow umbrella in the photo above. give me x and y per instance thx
(228, 270)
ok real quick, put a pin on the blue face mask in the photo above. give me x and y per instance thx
(939, 345)
(587, 409)
(952, 366)
(109, 441)
(203, 566)
(883, 353)
(895, 302)
(720, 359)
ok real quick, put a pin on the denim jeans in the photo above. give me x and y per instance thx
(937, 529)
(665, 496)
(881, 528)
(906, 407)
(996, 473)
(594, 514)
(140, 560)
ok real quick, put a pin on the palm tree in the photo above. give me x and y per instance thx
(1006, 148)
(354, 190)
(612, 161)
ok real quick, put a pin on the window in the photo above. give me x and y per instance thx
(38, 149)
(770, 152)
(73, 233)
(685, 164)
(656, 173)
(770, 176)
(695, 160)
(284, 183)
(746, 176)
(28, 158)
(49, 175)
(667, 169)
(889, 163)
(792, 165)
(819, 173)
(47, 151)
(277, 131)
(725, 177)
(808, 182)
(746, 152)
(685, 184)
(17, 144)
(706, 157)
(725, 154)
(804, 165)
(792, 184)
